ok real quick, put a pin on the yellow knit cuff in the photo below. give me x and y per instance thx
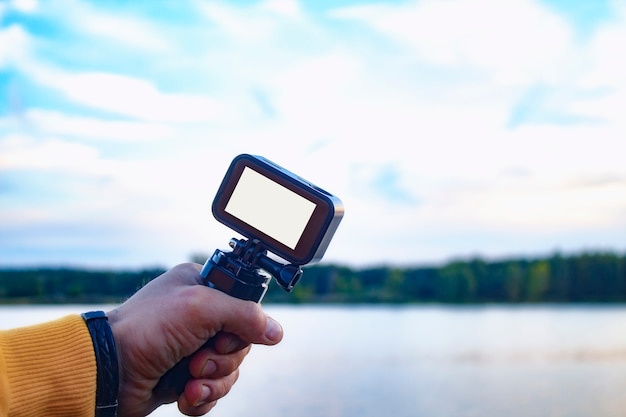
(50, 370)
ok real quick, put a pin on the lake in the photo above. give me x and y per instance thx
(435, 361)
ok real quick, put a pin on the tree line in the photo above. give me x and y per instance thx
(598, 277)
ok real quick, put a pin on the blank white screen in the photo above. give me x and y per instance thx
(269, 207)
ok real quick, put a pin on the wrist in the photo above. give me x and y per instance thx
(107, 378)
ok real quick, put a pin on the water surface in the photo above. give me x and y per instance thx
(487, 361)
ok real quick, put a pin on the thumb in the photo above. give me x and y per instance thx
(273, 331)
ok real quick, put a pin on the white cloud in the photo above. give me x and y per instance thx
(452, 145)
(513, 41)
(14, 42)
(116, 93)
(237, 24)
(431, 104)
(22, 152)
(57, 123)
(124, 29)
(128, 96)
(287, 8)
(605, 74)
(257, 24)
(25, 6)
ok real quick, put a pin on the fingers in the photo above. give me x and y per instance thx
(215, 368)
(243, 318)
(201, 395)
(209, 308)
(211, 363)
(225, 343)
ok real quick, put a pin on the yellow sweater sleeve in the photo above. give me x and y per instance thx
(48, 370)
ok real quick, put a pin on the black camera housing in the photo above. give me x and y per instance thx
(291, 217)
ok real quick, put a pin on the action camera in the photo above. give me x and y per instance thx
(277, 212)
(291, 217)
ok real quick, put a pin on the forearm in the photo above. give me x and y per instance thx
(48, 369)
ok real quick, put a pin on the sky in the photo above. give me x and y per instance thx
(449, 129)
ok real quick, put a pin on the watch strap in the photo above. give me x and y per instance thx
(107, 379)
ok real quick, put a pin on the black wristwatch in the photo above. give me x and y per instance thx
(107, 379)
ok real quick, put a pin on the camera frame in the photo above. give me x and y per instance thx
(320, 227)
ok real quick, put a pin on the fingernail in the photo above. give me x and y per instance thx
(231, 346)
(209, 368)
(204, 396)
(273, 330)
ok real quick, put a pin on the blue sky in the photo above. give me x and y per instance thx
(449, 128)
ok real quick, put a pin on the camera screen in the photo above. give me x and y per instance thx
(269, 207)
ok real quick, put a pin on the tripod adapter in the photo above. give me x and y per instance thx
(243, 273)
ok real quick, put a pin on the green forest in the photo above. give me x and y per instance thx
(598, 277)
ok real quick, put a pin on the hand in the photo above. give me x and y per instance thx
(173, 317)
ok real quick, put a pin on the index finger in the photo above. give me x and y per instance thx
(224, 313)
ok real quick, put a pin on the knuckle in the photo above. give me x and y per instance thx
(193, 299)
(224, 385)
(184, 268)
(253, 311)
